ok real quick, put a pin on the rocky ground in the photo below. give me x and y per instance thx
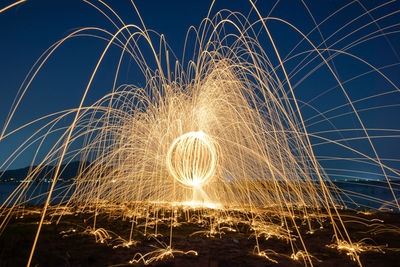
(68, 244)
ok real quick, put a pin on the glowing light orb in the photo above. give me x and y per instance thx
(191, 159)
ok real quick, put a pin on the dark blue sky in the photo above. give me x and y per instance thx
(30, 28)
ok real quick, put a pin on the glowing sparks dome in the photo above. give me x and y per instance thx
(192, 158)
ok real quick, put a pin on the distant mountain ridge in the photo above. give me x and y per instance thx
(67, 172)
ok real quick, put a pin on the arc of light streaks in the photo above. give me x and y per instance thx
(12, 5)
(223, 134)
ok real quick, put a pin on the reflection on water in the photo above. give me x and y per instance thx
(36, 193)
(368, 194)
(355, 194)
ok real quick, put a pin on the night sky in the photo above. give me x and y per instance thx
(30, 28)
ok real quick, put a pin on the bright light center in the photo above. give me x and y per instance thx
(191, 159)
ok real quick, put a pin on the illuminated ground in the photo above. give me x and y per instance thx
(60, 246)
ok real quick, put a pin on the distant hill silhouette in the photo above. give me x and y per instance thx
(67, 172)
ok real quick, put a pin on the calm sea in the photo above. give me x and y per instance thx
(36, 193)
(355, 194)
